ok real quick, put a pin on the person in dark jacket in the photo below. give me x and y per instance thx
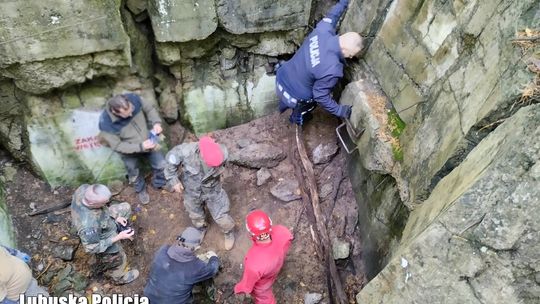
(308, 78)
(130, 125)
(176, 269)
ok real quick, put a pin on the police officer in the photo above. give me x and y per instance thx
(130, 125)
(308, 78)
(202, 166)
(176, 269)
(96, 226)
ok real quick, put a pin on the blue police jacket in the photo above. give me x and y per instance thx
(317, 66)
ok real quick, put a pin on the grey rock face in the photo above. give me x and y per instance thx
(378, 144)
(478, 223)
(42, 33)
(286, 190)
(258, 156)
(323, 153)
(239, 17)
(51, 48)
(263, 175)
(180, 21)
(136, 6)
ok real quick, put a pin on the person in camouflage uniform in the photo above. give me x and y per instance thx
(202, 166)
(96, 226)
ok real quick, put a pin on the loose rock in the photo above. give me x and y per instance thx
(263, 175)
(326, 189)
(323, 153)
(286, 190)
(9, 173)
(258, 156)
(63, 252)
(340, 249)
(312, 298)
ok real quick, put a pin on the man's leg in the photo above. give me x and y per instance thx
(116, 267)
(195, 210)
(218, 204)
(302, 112)
(264, 296)
(135, 178)
(157, 161)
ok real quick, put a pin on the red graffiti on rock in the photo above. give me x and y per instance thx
(84, 143)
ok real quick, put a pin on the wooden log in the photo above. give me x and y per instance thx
(340, 296)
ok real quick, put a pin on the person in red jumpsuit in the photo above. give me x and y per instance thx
(264, 259)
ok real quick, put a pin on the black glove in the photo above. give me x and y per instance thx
(344, 111)
(296, 118)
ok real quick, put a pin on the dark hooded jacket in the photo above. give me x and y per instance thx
(174, 271)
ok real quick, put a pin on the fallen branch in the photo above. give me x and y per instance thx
(340, 296)
(50, 209)
(44, 270)
(305, 199)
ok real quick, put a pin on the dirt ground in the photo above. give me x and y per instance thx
(159, 222)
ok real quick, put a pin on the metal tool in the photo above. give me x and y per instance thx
(349, 137)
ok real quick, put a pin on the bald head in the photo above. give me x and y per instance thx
(96, 196)
(350, 43)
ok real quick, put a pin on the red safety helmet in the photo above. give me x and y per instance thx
(258, 223)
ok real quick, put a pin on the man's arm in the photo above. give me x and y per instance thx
(92, 242)
(336, 12)
(322, 93)
(152, 114)
(174, 158)
(249, 278)
(209, 270)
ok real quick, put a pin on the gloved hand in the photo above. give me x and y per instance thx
(210, 254)
(344, 111)
(205, 257)
(296, 119)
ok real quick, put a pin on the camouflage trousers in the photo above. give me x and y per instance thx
(114, 265)
(217, 202)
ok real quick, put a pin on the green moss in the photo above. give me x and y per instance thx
(396, 128)
(397, 152)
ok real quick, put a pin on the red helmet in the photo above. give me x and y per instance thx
(258, 222)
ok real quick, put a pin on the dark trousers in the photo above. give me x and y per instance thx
(301, 109)
(157, 162)
(301, 113)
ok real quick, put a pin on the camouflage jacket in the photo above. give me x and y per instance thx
(95, 227)
(196, 175)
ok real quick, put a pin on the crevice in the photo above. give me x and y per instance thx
(476, 295)
(377, 24)
(460, 111)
